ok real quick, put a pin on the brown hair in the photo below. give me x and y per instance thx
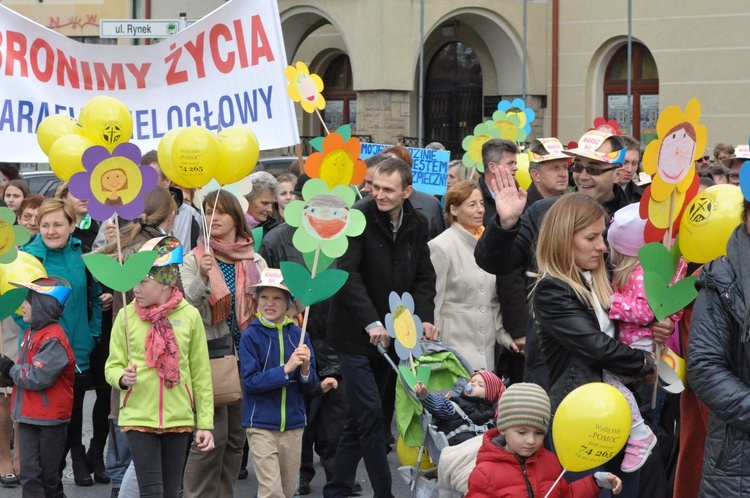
(400, 152)
(722, 147)
(227, 203)
(456, 195)
(159, 205)
(494, 148)
(32, 201)
(20, 185)
(51, 205)
(395, 165)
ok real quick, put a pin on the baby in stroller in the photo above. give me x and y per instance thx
(464, 412)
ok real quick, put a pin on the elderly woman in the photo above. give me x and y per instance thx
(28, 211)
(219, 283)
(467, 309)
(159, 363)
(60, 253)
(260, 202)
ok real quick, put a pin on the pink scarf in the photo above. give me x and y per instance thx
(162, 351)
(246, 275)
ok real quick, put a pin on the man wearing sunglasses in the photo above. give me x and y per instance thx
(735, 162)
(595, 166)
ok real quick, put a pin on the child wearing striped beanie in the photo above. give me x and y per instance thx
(512, 461)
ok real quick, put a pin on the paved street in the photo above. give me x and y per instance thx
(244, 489)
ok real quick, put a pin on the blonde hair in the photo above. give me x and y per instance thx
(624, 266)
(554, 252)
(51, 205)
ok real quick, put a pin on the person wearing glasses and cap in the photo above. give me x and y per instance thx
(735, 162)
(42, 401)
(160, 364)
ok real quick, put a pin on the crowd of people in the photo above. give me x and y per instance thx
(540, 290)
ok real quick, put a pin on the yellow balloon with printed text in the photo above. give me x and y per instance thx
(195, 156)
(591, 426)
(106, 121)
(708, 221)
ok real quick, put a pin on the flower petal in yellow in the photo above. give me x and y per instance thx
(472, 144)
(404, 326)
(305, 87)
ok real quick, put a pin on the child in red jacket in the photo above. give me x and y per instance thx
(42, 400)
(512, 462)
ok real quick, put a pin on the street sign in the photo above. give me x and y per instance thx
(138, 28)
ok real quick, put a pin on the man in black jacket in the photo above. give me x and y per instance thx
(390, 255)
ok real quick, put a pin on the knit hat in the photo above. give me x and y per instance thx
(625, 234)
(493, 386)
(524, 405)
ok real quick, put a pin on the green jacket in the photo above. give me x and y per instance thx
(149, 403)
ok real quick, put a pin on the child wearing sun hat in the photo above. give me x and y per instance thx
(464, 412)
(512, 460)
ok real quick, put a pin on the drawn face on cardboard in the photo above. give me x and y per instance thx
(676, 153)
(325, 216)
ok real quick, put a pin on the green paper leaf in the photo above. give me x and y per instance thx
(665, 300)
(257, 238)
(323, 261)
(317, 143)
(345, 131)
(408, 376)
(654, 257)
(123, 278)
(11, 300)
(423, 374)
(675, 253)
(312, 290)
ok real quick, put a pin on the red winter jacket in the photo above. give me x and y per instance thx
(500, 474)
(43, 378)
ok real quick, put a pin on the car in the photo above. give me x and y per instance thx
(275, 165)
(41, 182)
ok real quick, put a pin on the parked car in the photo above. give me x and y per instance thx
(41, 182)
(275, 165)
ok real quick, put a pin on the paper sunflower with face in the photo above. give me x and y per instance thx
(339, 162)
(524, 115)
(404, 326)
(304, 87)
(670, 160)
(472, 144)
(324, 218)
(11, 236)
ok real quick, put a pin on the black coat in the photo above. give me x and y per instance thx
(574, 346)
(719, 373)
(378, 265)
(429, 207)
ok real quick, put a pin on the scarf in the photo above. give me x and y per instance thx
(162, 352)
(738, 252)
(246, 275)
(475, 232)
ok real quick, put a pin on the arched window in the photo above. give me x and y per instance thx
(341, 100)
(644, 88)
(453, 95)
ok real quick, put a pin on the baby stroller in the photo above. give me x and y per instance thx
(448, 369)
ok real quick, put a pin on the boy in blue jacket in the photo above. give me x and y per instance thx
(276, 373)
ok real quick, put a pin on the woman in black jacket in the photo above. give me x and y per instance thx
(719, 365)
(570, 301)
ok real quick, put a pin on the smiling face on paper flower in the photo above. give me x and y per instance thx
(304, 87)
(325, 216)
(403, 325)
(10, 235)
(676, 153)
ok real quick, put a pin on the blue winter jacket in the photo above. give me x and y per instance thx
(270, 399)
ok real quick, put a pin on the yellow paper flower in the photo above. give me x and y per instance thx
(304, 87)
(472, 144)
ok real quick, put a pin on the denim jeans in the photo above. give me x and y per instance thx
(117, 464)
(363, 434)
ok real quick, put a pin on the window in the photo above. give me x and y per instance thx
(341, 100)
(644, 89)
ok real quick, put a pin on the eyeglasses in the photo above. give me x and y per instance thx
(733, 176)
(704, 158)
(577, 167)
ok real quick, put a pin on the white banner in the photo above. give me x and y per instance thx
(226, 69)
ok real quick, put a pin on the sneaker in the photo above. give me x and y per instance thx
(243, 474)
(636, 453)
(304, 488)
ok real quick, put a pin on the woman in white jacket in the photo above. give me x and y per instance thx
(467, 309)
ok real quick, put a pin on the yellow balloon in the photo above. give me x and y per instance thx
(66, 153)
(238, 154)
(164, 153)
(195, 156)
(106, 121)
(21, 273)
(408, 455)
(708, 221)
(591, 426)
(56, 126)
(522, 175)
(28, 259)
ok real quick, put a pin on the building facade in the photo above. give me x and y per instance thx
(368, 53)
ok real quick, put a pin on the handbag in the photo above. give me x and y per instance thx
(225, 375)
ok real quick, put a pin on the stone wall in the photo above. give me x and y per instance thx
(384, 114)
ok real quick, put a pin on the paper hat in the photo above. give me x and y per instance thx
(57, 287)
(547, 149)
(740, 152)
(272, 277)
(625, 234)
(599, 146)
(169, 255)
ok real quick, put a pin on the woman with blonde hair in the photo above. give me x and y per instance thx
(467, 309)
(571, 298)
